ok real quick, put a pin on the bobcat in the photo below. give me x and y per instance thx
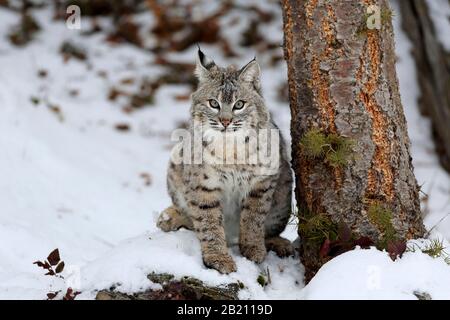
(229, 204)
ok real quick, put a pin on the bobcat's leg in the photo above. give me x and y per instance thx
(253, 216)
(172, 219)
(281, 246)
(205, 210)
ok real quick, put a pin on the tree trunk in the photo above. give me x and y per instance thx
(342, 81)
(433, 73)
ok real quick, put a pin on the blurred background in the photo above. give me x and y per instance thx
(86, 114)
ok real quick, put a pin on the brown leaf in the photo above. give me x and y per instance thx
(396, 249)
(70, 50)
(70, 294)
(325, 249)
(44, 265)
(114, 94)
(364, 242)
(60, 267)
(122, 127)
(39, 263)
(57, 111)
(50, 273)
(126, 31)
(53, 258)
(52, 295)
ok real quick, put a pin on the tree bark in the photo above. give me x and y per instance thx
(433, 73)
(342, 80)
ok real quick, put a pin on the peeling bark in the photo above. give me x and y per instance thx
(342, 80)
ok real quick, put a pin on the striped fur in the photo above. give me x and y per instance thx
(230, 204)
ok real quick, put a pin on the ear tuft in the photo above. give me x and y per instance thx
(203, 66)
(250, 72)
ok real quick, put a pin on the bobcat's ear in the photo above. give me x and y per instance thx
(204, 66)
(250, 72)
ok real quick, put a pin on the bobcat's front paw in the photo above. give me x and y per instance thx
(255, 253)
(221, 262)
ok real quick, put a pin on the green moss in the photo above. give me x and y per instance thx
(362, 28)
(381, 216)
(35, 100)
(341, 151)
(316, 228)
(264, 278)
(261, 280)
(334, 149)
(313, 143)
(387, 15)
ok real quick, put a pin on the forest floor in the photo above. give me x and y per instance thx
(85, 142)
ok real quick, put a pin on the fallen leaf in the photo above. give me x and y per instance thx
(53, 258)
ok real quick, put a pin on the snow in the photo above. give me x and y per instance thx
(375, 276)
(178, 253)
(74, 183)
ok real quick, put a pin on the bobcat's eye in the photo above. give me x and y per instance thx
(238, 105)
(214, 104)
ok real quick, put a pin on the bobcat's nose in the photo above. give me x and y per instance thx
(225, 122)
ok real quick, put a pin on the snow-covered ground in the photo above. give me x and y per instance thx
(71, 181)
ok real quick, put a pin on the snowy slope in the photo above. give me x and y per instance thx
(371, 274)
(72, 181)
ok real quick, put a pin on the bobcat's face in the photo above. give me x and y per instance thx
(228, 100)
